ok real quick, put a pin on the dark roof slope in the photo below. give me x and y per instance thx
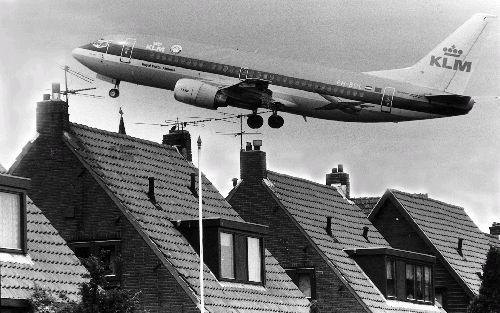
(366, 204)
(122, 164)
(443, 224)
(50, 263)
(310, 204)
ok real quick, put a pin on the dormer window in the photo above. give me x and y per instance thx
(407, 275)
(13, 214)
(239, 256)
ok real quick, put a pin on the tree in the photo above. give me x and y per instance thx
(488, 300)
(96, 297)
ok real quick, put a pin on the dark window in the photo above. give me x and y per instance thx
(419, 282)
(12, 228)
(108, 255)
(82, 252)
(410, 281)
(305, 281)
(227, 255)
(427, 283)
(107, 251)
(441, 297)
(391, 278)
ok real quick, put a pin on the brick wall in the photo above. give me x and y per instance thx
(290, 247)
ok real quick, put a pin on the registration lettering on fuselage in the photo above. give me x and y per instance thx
(156, 46)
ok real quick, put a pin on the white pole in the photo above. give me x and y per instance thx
(200, 227)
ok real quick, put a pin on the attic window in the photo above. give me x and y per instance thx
(13, 213)
(305, 280)
(239, 256)
(408, 275)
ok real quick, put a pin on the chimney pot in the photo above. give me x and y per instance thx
(151, 191)
(235, 182)
(56, 91)
(257, 144)
(341, 168)
(46, 96)
(495, 229)
(334, 170)
(248, 147)
(340, 179)
(252, 164)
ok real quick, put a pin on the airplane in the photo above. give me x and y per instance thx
(212, 77)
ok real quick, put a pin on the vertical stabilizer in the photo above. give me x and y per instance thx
(450, 64)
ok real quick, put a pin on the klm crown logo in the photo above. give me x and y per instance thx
(448, 63)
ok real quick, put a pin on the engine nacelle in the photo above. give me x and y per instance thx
(199, 94)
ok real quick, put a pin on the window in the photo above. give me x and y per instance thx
(226, 255)
(427, 283)
(419, 282)
(12, 228)
(391, 278)
(107, 251)
(305, 281)
(410, 281)
(254, 259)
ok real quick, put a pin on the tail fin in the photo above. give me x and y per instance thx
(448, 66)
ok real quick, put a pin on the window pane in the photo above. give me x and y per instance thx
(427, 283)
(254, 260)
(305, 284)
(108, 258)
(10, 221)
(226, 255)
(391, 278)
(420, 282)
(410, 281)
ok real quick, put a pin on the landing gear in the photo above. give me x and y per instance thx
(275, 121)
(255, 121)
(115, 92)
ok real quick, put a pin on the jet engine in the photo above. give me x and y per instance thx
(199, 94)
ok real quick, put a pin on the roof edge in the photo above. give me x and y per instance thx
(422, 235)
(313, 244)
(131, 219)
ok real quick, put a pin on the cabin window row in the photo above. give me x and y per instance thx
(234, 71)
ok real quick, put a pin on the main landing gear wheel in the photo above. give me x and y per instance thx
(255, 121)
(114, 93)
(275, 121)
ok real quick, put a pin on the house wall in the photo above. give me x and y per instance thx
(290, 247)
(401, 235)
(81, 211)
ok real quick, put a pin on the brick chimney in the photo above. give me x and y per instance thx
(52, 117)
(340, 179)
(253, 162)
(495, 229)
(181, 139)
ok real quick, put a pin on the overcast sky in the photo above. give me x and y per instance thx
(455, 160)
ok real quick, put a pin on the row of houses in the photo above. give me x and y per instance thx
(276, 243)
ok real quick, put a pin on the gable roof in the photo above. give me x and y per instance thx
(50, 263)
(441, 225)
(309, 204)
(121, 164)
(366, 204)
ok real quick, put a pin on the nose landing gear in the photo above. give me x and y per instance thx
(115, 92)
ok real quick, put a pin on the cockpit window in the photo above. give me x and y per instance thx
(101, 43)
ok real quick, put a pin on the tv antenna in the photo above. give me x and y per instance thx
(66, 92)
(241, 133)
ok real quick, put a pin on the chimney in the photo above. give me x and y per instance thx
(52, 117)
(151, 191)
(181, 139)
(495, 229)
(253, 162)
(340, 179)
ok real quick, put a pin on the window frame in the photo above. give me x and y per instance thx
(394, 278)
(307, 270)
(241, 237)
(23, 219)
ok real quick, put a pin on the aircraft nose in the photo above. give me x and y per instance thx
(77, 54)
